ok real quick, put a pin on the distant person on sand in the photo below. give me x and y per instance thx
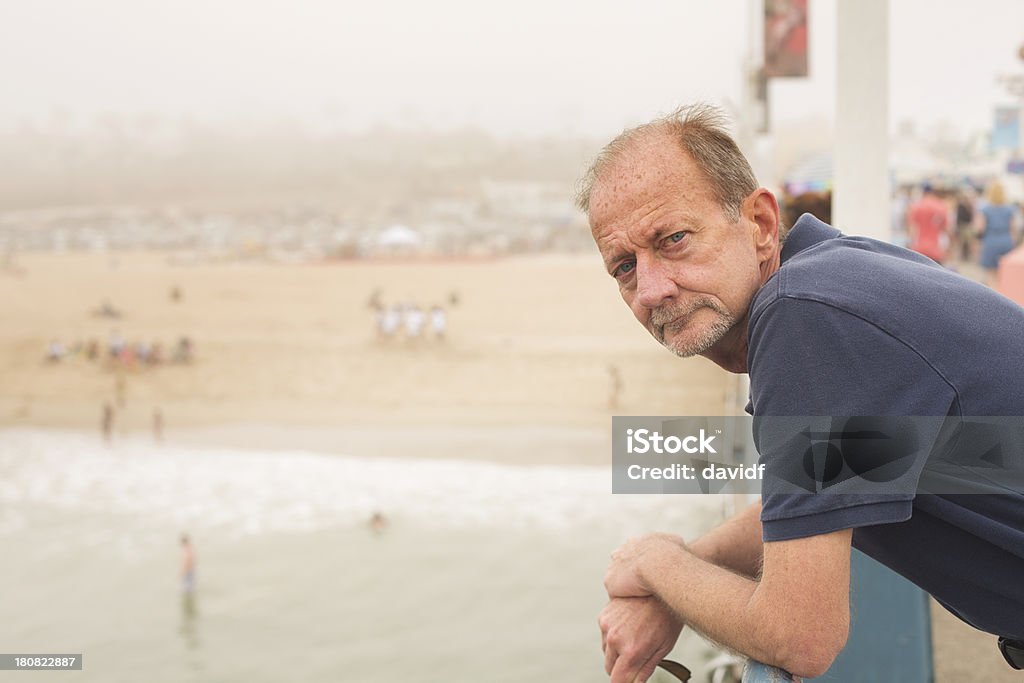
(176, 294)
(389, 319)
(107, 422)
(107, 310)
(188, 565)
(55, 351)
(413, 321)
(616, 386)
(438, 322)
(380, 318)
(183, 351)
(127, 357)
(119, 389)
(156, 356)
(25, 408)
(115, 344)
(375, 302)
(158, 425)
(142, 351)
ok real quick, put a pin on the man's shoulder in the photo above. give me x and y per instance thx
(866, 305)
(859, 275)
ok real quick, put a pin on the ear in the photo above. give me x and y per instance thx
(761, 209)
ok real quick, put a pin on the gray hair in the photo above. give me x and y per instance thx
(700, 129)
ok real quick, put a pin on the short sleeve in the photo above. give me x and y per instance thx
(808, 358)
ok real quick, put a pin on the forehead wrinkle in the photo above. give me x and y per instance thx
(632, 222)
(627, 200)
(654, 163)
(641, 223)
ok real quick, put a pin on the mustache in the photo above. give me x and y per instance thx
(663, 315)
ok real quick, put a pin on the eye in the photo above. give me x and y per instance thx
(676, 236)
(624, 268)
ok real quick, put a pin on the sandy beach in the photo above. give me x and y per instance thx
(528, 346)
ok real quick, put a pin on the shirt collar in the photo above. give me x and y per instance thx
(805, 233)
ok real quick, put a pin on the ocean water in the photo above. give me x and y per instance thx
(484, 572)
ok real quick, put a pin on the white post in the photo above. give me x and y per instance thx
(861, 187)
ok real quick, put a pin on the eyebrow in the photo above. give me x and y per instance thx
(673, 225)
(615, 257)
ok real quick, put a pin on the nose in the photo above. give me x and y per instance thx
(654, 284)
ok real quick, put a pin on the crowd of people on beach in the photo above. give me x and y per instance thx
(121, 357)
(120, 354)
(408, 320)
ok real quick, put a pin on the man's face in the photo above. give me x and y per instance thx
(686, 269)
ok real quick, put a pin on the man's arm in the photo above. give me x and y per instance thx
(795, 617)
(735, 543)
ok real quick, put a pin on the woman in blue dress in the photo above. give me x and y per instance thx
(998, 227)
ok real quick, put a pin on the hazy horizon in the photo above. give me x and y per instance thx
(535, 69)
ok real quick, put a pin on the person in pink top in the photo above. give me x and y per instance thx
(928, 220)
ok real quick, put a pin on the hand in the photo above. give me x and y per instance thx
(624, 578)
(636, 633)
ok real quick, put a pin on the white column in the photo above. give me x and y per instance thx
(860, 199)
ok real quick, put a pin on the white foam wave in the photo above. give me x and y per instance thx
(255, 491)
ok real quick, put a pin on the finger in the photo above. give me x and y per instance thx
(611, 656)
(646, 669)
(604, 634)
(624, 671)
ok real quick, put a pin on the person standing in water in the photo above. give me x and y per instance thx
(188, 565)
(189, 613)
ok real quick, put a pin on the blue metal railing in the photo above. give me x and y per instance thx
(756, 672)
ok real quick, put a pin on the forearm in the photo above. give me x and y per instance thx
(716, 602)
(795, 625)
(796, 615)
(734, 544)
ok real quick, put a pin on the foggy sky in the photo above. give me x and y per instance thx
(532, 66)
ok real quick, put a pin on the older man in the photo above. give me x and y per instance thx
(825, 325)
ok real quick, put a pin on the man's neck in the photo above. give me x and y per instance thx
(730, 353)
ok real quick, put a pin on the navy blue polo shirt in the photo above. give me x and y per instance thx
(851, 326)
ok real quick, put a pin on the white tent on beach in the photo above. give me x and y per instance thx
(398, 237)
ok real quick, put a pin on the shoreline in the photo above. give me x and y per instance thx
(507, 444)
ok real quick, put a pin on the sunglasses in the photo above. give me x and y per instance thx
(676, 669)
